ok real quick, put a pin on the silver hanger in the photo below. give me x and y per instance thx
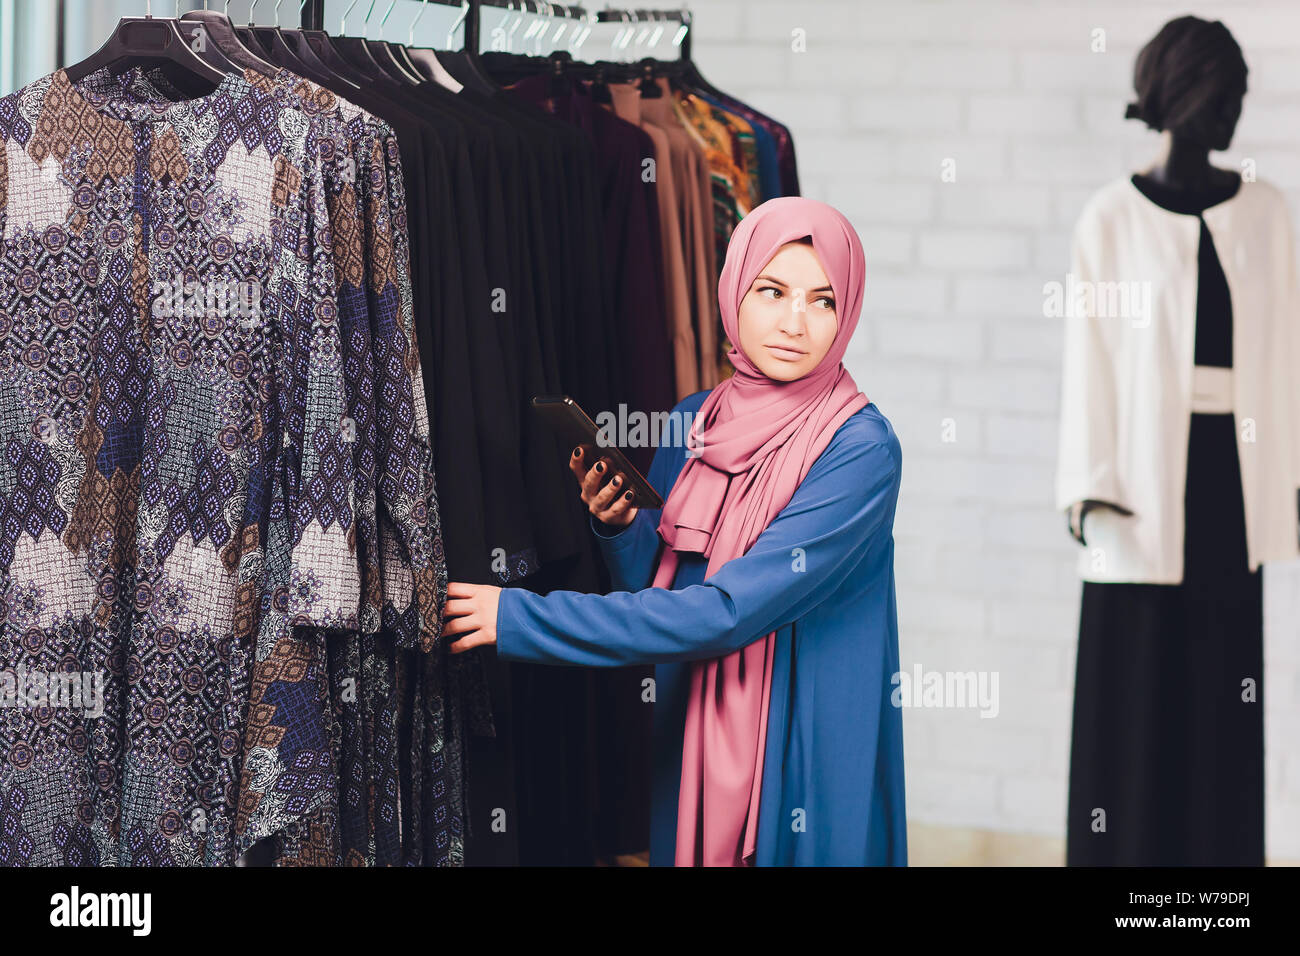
(383, 20)
(464, 12)
(343, 20)
(410, 34)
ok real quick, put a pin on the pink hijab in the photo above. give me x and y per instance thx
(757, 438)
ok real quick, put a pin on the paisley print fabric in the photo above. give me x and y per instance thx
(216, 489)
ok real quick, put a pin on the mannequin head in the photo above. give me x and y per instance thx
(788, 318)
(1190, 80)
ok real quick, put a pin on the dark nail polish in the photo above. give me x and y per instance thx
(628, 496)
(577, 451)
(600, 467)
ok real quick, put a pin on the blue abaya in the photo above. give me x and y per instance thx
(822, 576)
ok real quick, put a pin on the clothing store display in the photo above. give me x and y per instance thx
(1166, 742)
(1130, 347)
(237, 521)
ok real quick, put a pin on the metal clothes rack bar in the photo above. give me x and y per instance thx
(313, 18)
(313, 14)
(682, 16)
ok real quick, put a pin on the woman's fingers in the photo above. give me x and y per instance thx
(620, 512)
(460, 625)
(578, 463)
(470, 610)
(607, 495)
(460, 617)
(606, 498)
(468, 643)
(458, 612)
(596, 476)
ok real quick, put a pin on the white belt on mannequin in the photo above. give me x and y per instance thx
(1211, 389)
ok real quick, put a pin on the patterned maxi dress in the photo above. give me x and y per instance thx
(222, 518)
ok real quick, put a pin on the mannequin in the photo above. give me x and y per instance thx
(1184, 167)
(1167, 749)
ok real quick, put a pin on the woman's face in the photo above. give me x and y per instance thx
(787, 318)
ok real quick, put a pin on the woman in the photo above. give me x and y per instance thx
(771, 619)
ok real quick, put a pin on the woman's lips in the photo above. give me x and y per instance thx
(789, 354)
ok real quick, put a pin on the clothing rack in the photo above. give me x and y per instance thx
(312, 17)
(502, 185)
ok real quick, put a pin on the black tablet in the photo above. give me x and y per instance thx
(575, 427)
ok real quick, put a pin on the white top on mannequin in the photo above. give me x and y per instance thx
(1127, 387)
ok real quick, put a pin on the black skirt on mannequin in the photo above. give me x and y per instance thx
(1168, 732)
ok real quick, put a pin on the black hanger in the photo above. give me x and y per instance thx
(690, 74)
(465, 64)
(396, 53)
(394, 63)
(300, 45)
(152, 41)
(382, 53)
(403, 56)
(319, 42)
(648, 88)
(290, 49)
(355, 51)
(222, 37)
(600, 85)
(267, 42)
(316, 46)
(422, 64)
(558, 83)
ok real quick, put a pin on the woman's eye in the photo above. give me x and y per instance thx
(776, 293)
(827, 302)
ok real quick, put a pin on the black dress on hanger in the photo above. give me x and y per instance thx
(1163, 741)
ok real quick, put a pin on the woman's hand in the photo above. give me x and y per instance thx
(611, 504)
(471, 609)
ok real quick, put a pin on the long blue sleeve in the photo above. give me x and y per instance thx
(630, 552)
(804, 554)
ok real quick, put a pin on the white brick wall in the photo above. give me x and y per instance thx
(952, 328)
